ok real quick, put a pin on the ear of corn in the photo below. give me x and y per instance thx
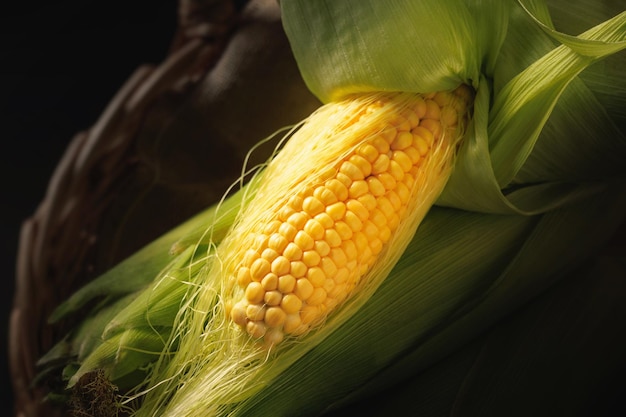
(272, 317)
(299, 253)
(332, 213)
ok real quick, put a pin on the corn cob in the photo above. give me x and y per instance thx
(297, 260)
(328, 219)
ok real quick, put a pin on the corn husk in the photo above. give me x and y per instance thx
(559, 354)
(538, 166)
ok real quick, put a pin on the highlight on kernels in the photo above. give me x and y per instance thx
(330, 203)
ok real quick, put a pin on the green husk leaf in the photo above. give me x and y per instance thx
(524, 104)
(558, 355)
(595, 147)
(83, 340)
(606, 41)
(141, 268)
(353, 46)
(159, 304)
(122, 355)
(496, 149)
(606, 78)
(133, 315)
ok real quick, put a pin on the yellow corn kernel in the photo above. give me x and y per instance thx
(293, 323)
(311, 258)
(421, 145)
(255, 312)
(351, 171)
(308, 314)
(325, 220)
(376, 188)
(368, 152)
(298, 219)
(256, 329)
(316, 276)
(285, 212)
(286, 284)
(272, 227)
(358, 188)
(312, 206)
(381, 164)
(394, 200)
(353, 221)
(396, 170)
(449, 116)
(314, 229)
(403, 160)
(291, 303)
(275, 317)
(272, 298)
(277, 242)
(329, 267)
(298, 269)
(281, 265)
(344, 231)
(288, 231)
(362, 164)
(336, 211)
(332, 238)
(402, 141)
(317, 297)
(403, 192)
(254, 292)
(322, 248)
(295, 202)
(325, 195)
(387, 180)
(244, 277)
(434, 126)
(413, 154)
(250, 256)
(338, 256)
(259, 269)
(412, 118)
(238, 313)
(269, 282)
(378, 218)
(273, 336)
(329, 284)
(358, 209)
(368, 201)
(380, 144)
(338, 188)
(269, 255)
(349, 250)
(303, 289)
(293, 251)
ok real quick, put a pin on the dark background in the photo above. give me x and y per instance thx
(61, 62)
